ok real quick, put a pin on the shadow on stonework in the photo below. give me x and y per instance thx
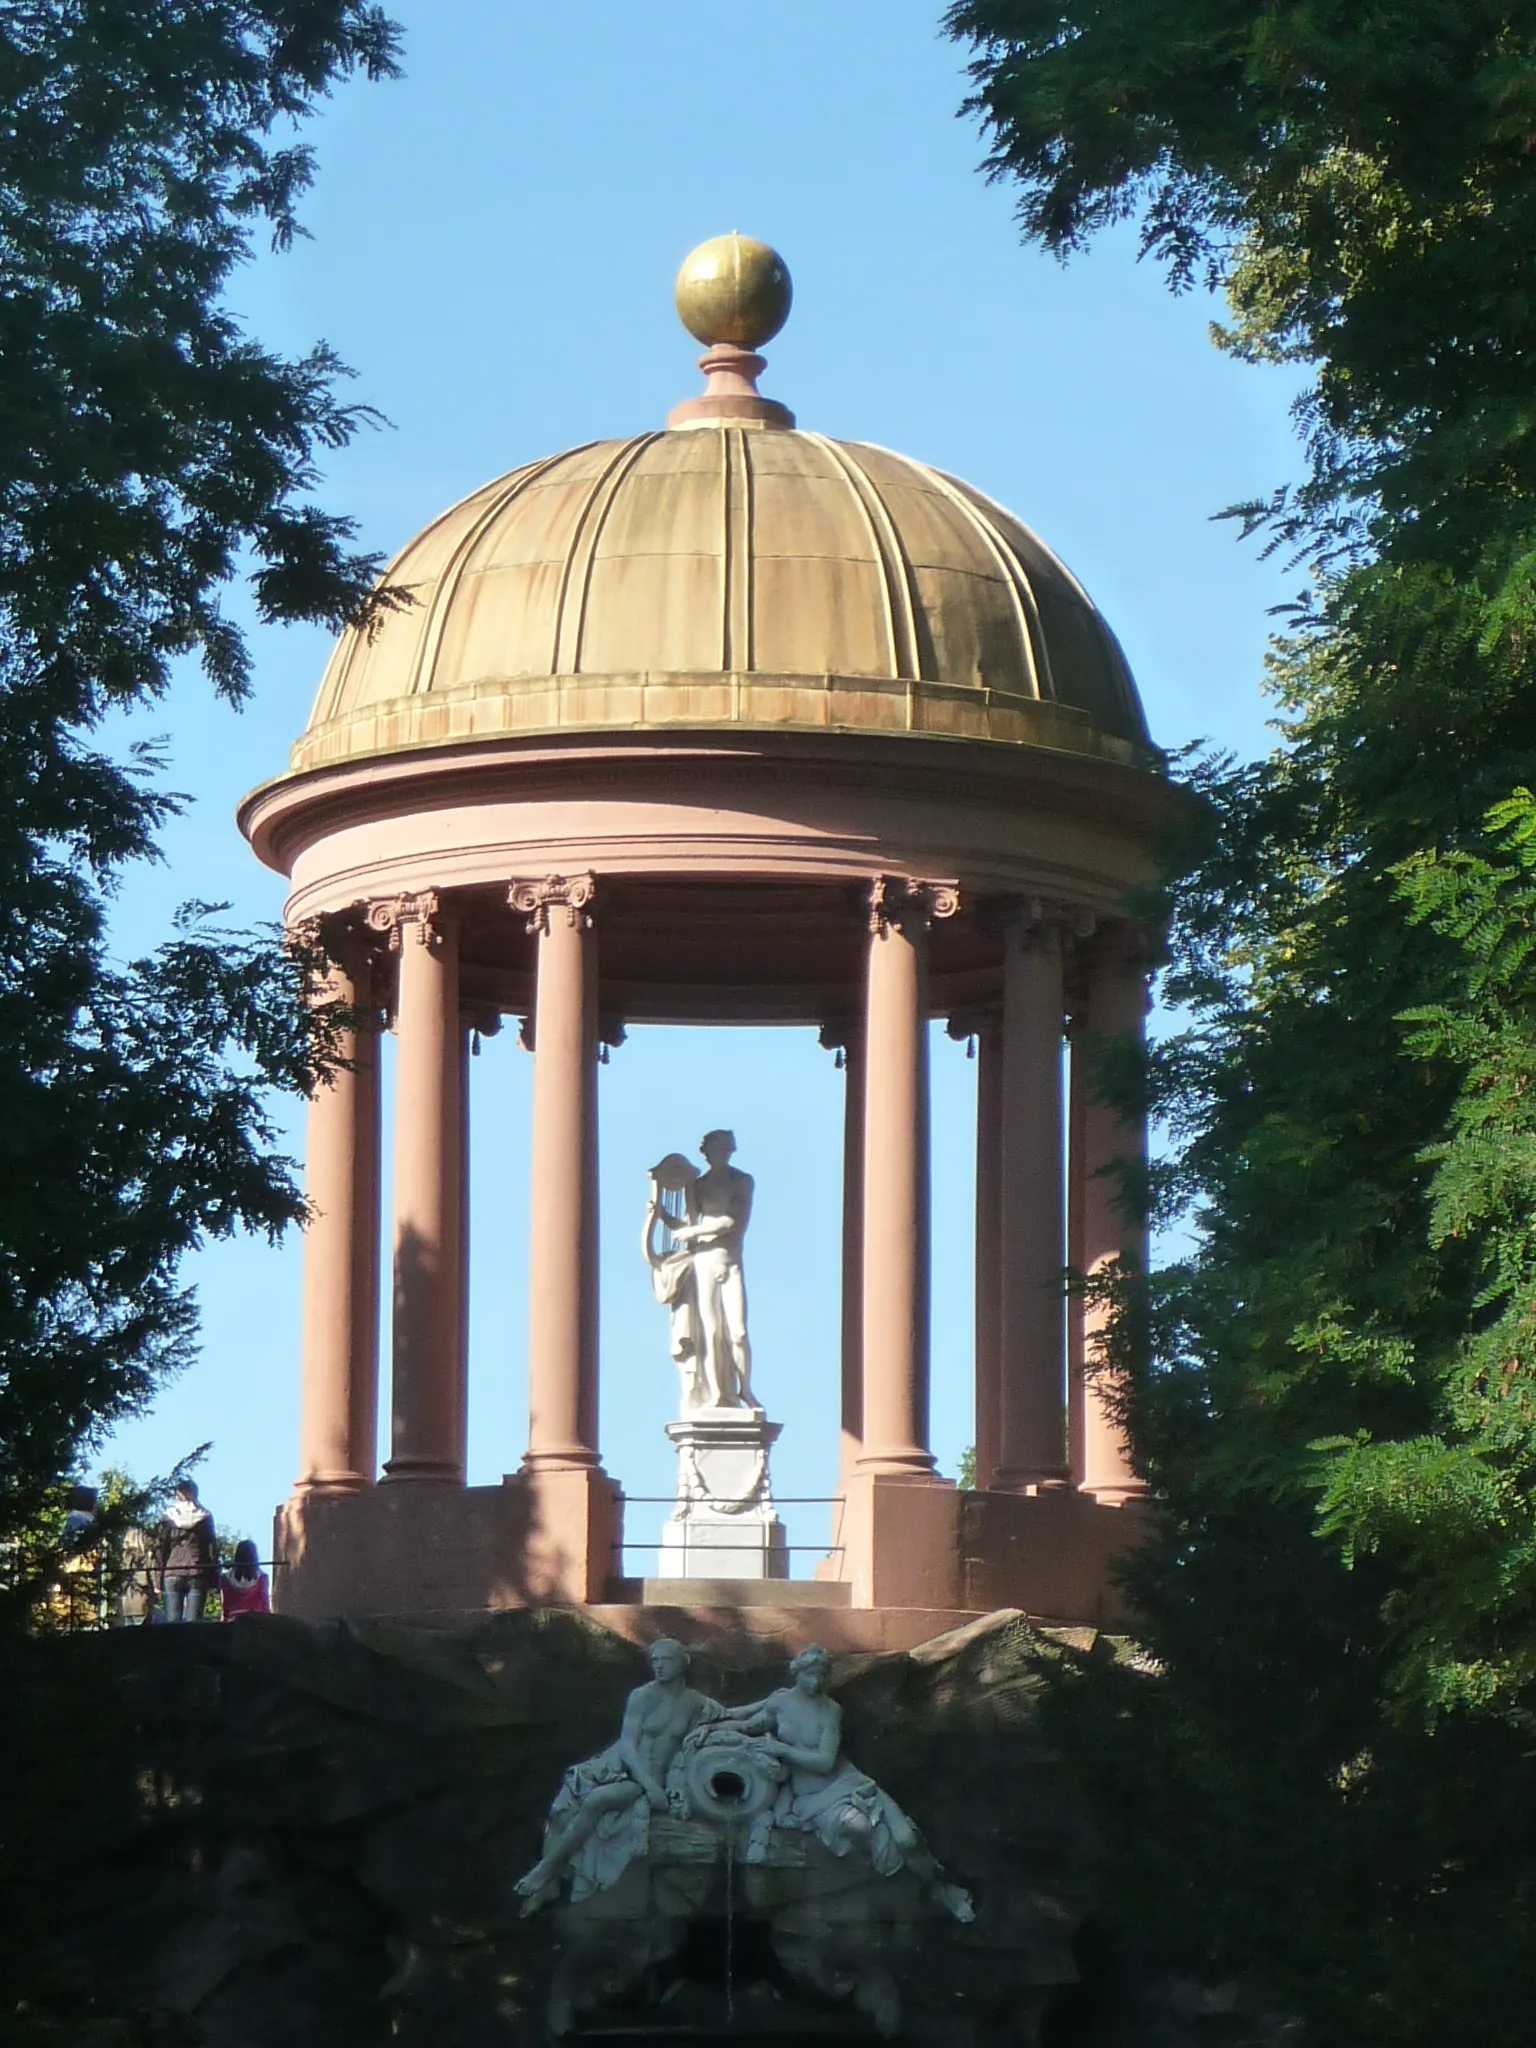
(724, 1983)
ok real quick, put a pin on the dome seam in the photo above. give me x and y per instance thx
(433, 631)
(890, 556)
(585, 538)
(739, 592)
(1014, 577)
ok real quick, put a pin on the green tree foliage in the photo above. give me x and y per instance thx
(150, 452)
(1322, 1778)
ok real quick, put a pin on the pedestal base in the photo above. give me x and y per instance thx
(724, 1524)
(541, 1539)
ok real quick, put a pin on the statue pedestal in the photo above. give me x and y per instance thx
(724, 1524)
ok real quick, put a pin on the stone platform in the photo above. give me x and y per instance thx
(912, 1560)
(661, 1592)
(740, 1630)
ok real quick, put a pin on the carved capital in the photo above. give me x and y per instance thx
(422, 912)
(1041, 921)
(897, 901)
(1128, 944)
(335, 955)
(567, 896)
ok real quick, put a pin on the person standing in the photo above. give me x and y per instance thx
(243, 1589)
(189, 1559)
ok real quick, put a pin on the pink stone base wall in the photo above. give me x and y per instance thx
(1049, 1553)
(900, 1542)
(415, 1549)
(918, 1557)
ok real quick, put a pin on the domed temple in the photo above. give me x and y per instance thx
(726, 722)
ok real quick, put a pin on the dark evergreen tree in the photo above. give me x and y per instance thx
(1323, 1781)
(150, 451)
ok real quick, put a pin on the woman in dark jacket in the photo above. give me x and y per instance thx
(189, 1558)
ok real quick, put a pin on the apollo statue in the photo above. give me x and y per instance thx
(698, 1278)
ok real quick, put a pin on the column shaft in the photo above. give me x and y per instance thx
(461, 1238)
(587, 1418)
(896, 1252)
(427, 1393)
(1077, 1104)
(989, 1243)
(562, 1280)
(1117, 1005)
(852, 1433)
(1033, 1288)
(339, 1413)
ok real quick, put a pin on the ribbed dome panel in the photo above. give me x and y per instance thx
(729, 577)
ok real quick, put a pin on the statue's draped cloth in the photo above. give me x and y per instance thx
(676, 1288)
(820, 1809)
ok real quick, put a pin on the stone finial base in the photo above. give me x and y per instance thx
(724, 1524)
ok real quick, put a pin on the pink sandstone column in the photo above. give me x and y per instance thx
(989, 1245)
(1117, 1007)
(591, 1334)
(896, 1248)
(461, 1239)
(852, 1419)
(1033, 1448)
(1077, 1104)
(562, 1281)
(427, 1397)
(846, 1039)
(339, 1413)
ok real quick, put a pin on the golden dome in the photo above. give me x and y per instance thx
(733, 289)
(729, 578)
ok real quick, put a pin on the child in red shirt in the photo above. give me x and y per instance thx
(244, 1590)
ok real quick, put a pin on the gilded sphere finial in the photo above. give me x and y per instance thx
(733, 289)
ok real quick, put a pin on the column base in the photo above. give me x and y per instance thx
(331, 1482)
(918, 1465)
(574, 1458)
(436, 1470)
(1050, 1480)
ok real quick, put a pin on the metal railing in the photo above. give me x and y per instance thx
(95, 1587)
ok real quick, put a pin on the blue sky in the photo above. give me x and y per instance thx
(493, 243)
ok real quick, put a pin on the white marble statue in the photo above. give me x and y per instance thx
(600, 1820)
(825, 1794)
(700, 1283)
